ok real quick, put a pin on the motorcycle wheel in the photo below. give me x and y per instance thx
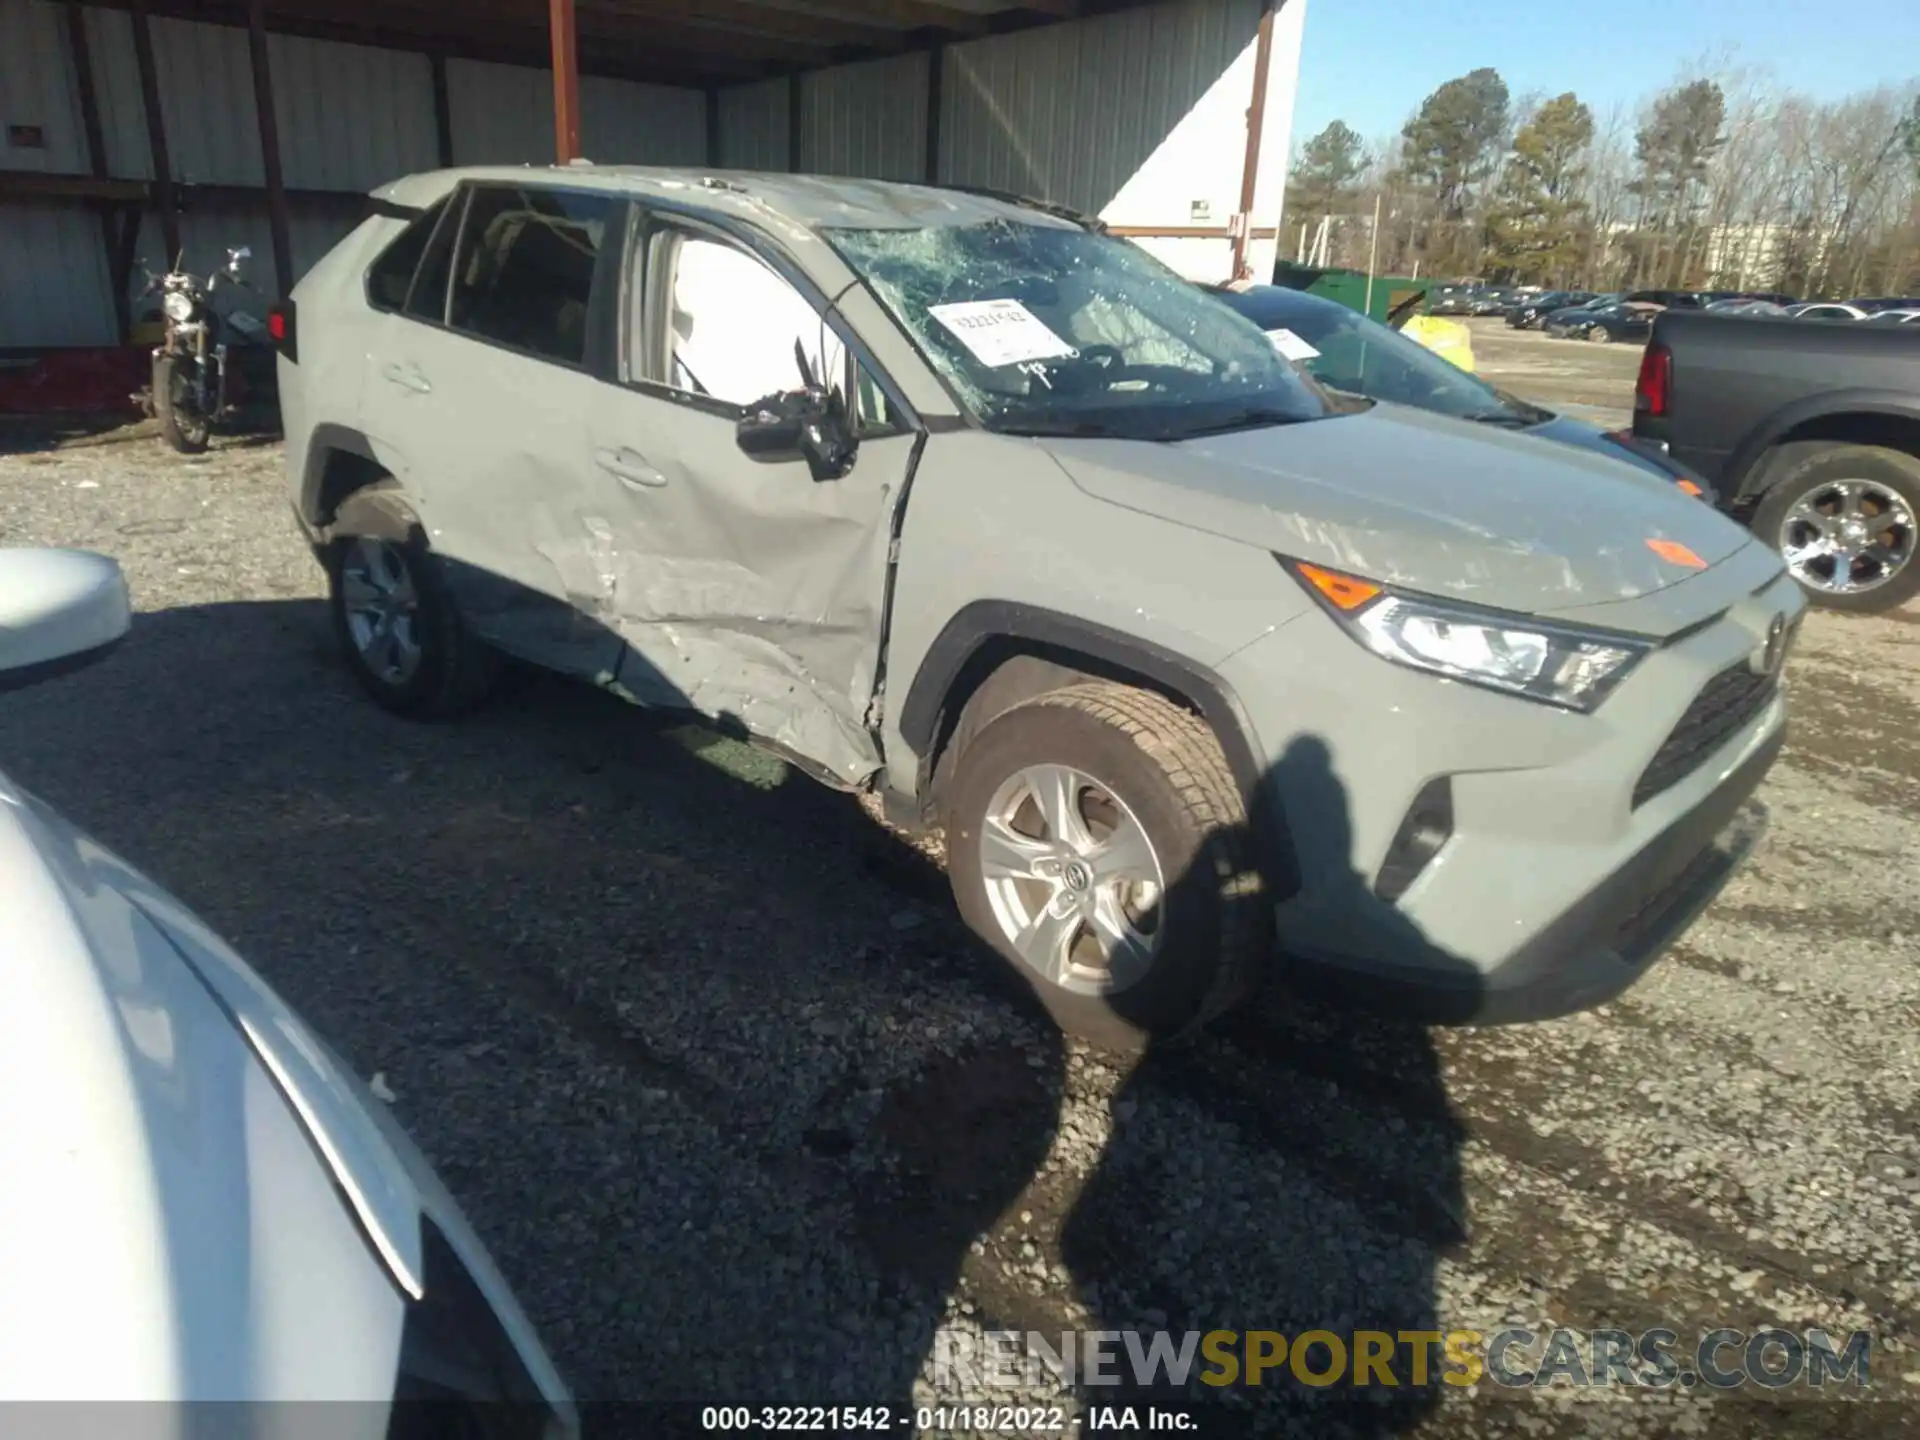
(181, 424)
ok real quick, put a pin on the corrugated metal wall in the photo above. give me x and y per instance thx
(36, 88)
(1139, 115)
(503, 114)
(1072, 112)
(868, 119)
(387, 129)
(56, 290)
(350, 118)
(753, 125)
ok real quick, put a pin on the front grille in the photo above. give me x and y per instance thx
(1729, 702)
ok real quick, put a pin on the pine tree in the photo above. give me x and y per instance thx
(1535, 226)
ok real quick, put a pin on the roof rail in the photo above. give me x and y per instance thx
(1028, 202)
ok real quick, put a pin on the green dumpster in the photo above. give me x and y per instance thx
(1392, 294)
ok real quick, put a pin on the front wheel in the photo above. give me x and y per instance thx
(1097, 841)
(1600, 335)
(1844, 521)
(402, 633)
(176, 405)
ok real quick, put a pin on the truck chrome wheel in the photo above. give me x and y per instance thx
(382, 608)
(1847, 536)
(1072, 878)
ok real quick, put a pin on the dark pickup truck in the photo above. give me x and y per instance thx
(1810, 433)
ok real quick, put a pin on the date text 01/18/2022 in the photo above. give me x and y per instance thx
(879, 1419)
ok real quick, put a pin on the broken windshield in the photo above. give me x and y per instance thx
(1044, 329)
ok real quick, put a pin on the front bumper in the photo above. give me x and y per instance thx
(1596, 949)
(1578, 847)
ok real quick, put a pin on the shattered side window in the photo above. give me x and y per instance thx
(1044, 328)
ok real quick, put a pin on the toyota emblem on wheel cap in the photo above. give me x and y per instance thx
(1766, 660)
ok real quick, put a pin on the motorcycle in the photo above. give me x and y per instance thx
(215, 354)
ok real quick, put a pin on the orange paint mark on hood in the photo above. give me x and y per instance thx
(1674, 553)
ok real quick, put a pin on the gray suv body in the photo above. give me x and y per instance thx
(1204, 671)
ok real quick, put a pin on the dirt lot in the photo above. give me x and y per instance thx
(706, 1057)
(1593, 382)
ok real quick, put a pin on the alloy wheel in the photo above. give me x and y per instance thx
(382, 609)
(1073, 879)
(1847, 536)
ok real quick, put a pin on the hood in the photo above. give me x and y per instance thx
(1564, 430)
(203, 1203)
(1417, 500)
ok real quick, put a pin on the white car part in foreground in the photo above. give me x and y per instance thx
(201, 1201)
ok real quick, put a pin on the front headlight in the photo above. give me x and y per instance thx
(1555, 664)
(179, 306)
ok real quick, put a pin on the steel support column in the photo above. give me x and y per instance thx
(269, 124)
(1256, 121)
(566, 80)
(156, 133)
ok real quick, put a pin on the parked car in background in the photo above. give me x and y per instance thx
(1451, 299)
(1825, 310)
(1744, 306)
(202, 1201)
(1886, 302)
(1666, 299)
(1347, 351)
(1602, 324)
(1533, 310)
(1495, 301)
(653, 428)
(1893, 317)
(1811, 433)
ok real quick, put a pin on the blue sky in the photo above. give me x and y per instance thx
(1371, 62)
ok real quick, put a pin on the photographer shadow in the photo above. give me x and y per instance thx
(1294, 1170)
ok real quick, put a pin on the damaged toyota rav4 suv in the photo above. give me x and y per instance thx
(954, 498)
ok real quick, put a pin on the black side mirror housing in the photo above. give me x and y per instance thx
(809, 424)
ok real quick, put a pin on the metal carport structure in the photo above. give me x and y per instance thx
(137, 128)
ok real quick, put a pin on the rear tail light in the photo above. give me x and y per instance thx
(280, 327)
(1655, 387)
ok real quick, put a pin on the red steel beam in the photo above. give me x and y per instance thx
(566, 80)
(1256, 120)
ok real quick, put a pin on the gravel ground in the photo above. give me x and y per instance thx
(1592, 382)
(703, 1052)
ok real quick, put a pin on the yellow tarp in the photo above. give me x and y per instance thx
(1447, 338)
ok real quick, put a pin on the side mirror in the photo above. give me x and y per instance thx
(59, 610)
(808, 425)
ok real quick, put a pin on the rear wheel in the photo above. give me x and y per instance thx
(1097, 841)
(1600, 335)
(402, 633)
(1844, 520)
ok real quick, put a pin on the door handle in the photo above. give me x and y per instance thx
(407, 377)
(629, 468)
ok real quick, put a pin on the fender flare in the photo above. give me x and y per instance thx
(1746, 465)
(924, 711)
(327, 440)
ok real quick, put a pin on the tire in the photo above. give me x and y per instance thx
(180, 427)
(1149, 765)
(1600, 335)
(451, 671)
(1835, 483)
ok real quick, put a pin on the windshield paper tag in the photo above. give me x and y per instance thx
(1000, 332)
(1291, 345)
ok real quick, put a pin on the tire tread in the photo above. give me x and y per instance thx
(1187, 752)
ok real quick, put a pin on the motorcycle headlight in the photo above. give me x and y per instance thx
(179, 306)
(1560, 665)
